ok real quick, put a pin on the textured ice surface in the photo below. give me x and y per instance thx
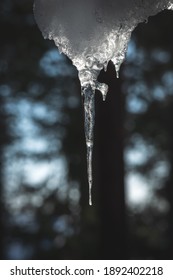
(90, 33)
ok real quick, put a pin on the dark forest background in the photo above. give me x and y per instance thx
(44, 211)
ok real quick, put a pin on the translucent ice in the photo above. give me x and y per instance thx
(90, 33)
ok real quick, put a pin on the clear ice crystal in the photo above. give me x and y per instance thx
(91, 33)
(88, 101)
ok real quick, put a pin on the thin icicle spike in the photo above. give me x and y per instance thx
(89, 119)
(89, 169)
(90, 194)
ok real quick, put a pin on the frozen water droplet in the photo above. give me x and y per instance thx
(103, 88)
(117, 72)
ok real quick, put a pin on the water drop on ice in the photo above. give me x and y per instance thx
(91, 33)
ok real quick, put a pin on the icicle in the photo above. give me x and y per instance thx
(89, 115)
(91, 33)
(103, 88)
(117, 74)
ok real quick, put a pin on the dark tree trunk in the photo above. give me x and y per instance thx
(170, 192)
(1, 215)
(110, 168)
(170, 231)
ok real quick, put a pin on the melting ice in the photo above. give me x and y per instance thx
(91, 33)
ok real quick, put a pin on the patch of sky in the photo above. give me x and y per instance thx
(161, 204)
(132, 72)
(140, 190)
(58, 173)
(137, 191)
(41, 111)
(136, 97)
(26, 220)
(12, 178)
(5, 90)
(136, 156)
(63, 225)
(16, 204)
(74, 193)
(134, 54)
(167, 81)
(131, 51)
(37, 200)
(163, 168)
(32, 146)
(35, 89)
(54, 64)
(135, 104)
(73, 102)
(38, 145)
(159, 93)
(63, 191)
(37, 172)
(25, 124)
(19, 251)
(161, 56)
(23, 121)
(46, 244)
(42, 177)
(160, 173)
(57, 100)
(140, 153)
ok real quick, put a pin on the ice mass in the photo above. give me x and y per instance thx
(91, 33)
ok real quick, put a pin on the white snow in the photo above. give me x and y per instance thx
(91, 33)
